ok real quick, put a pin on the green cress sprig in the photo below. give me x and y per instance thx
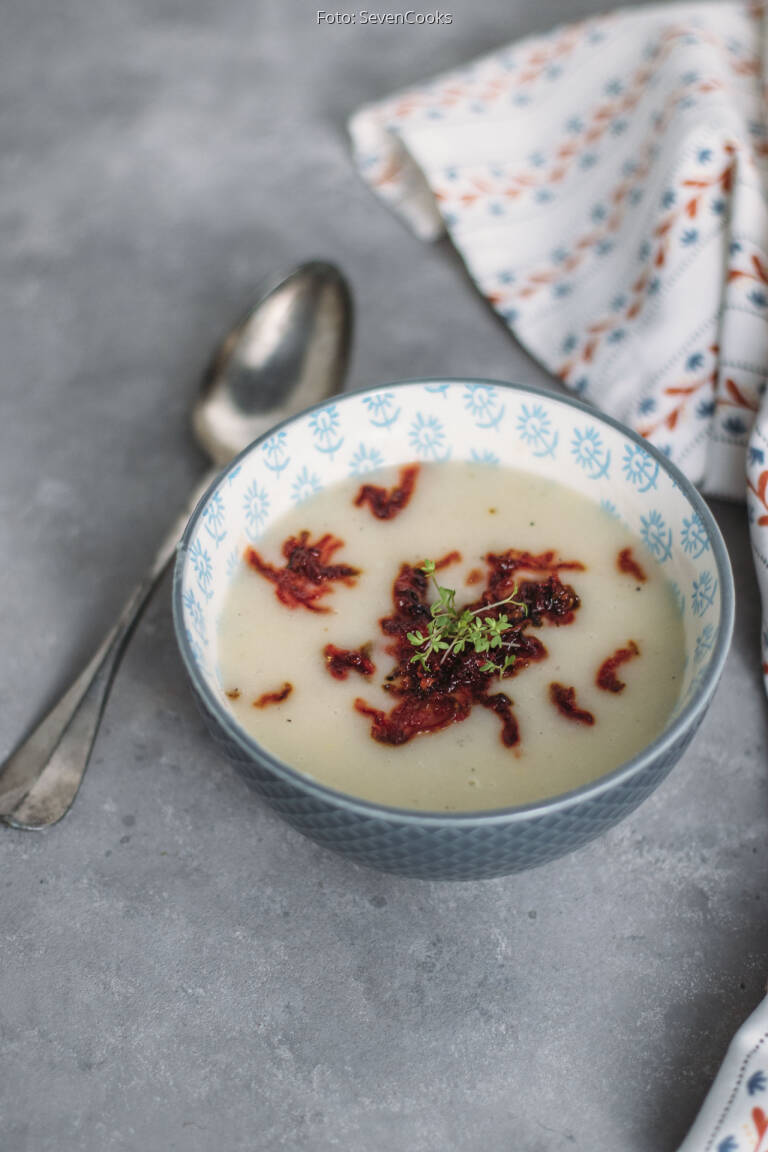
(448, 631)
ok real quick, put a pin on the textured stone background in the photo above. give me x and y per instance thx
(178, 969)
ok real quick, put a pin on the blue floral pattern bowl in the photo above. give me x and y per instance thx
(495, 424)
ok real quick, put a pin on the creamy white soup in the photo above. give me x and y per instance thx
(572, 653)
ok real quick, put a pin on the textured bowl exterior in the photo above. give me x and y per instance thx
(441, 850)
(460, 419)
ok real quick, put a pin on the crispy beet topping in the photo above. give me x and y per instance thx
(509, 562)
(449, 558)
(277, 697)
(547, 599)
(606, 674)
(444, 688)
(385, 504)
(625, 562)
(564, 699)
(501, 704)
(341, 661)
(307, 575)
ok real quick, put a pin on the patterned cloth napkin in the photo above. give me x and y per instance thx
(735, 1114)
(606, 186)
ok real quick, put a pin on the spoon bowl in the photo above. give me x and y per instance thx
(290, 349)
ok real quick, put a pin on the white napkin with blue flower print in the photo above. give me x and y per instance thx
(735, 1114)
(606, 187)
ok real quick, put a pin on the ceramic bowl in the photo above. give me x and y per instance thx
(495, 424)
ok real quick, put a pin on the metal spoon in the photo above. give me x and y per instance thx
(288, 351)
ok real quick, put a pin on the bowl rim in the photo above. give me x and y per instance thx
(563, 801)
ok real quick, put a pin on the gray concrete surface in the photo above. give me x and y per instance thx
(178, 969)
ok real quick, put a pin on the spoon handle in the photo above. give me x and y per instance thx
(40, 779)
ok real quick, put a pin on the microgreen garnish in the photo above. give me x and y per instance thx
(451, 631)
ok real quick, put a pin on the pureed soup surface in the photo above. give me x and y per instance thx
(592, 684)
